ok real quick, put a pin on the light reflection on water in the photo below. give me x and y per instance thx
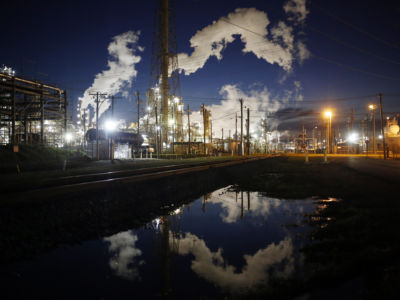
(231, 240)
(224, 242)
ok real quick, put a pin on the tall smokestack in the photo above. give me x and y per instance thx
(164, 68)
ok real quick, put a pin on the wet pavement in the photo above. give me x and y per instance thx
(223, 243)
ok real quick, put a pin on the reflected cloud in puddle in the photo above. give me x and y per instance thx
(237, 205)
(275, 260)
(125, 261)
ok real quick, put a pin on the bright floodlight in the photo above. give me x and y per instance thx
(176, 99)
(68, 136)
(353, 137)
(371, 106)
(111, 125)
(328, 114)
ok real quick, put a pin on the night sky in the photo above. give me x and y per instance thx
(354, 50)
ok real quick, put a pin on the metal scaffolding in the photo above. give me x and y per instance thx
(31, 112)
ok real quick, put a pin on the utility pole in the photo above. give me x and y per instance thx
(138, 120)
(265, 136)
(204, 127)
(236, 133)
(211, 132)
(188, 115)
(157, 129)
(112, 137)
(97, 94)
(241, 127)
(229, 141)
(248, 131)
(222, 139)
(373, 128)
(351, 119)
(382, 130)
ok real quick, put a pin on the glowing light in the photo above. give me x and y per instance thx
(380, 136)
(158, 127)
(353, 137)
(68, 137)
(171, 121)
(328, 114)
(176, 99)
(148, 108)
(371, 106)
(157, 89)
(111, 125)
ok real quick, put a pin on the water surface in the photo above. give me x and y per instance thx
(225, 242)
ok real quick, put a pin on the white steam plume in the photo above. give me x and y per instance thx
(296, 10)
(121, 69)
(259, 100)
(251, 25)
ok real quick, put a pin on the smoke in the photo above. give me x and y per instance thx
(296, 10)
(121, 70)
(261, 102)
(251, 25)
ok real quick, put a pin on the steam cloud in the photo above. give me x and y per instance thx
(274, 260)
(275, 47)
(274, 44)
(251, 25)
(258, 99)
(121, 69)
(296, 10)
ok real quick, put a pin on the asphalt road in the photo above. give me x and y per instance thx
(388, 170)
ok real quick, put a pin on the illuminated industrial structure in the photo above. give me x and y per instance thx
(31, 112)
(164, 102)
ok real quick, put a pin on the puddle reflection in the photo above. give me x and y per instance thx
(225, 242)
(231, 240)
(126, 257)
(276, 260)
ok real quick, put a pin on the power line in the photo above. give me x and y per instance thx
(352, 46)
(357, 28)
(331, 61)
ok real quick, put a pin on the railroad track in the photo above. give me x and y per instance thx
(108, 179)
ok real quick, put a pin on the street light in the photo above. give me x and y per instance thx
(372, 108)
(110, 127)
(328, 115)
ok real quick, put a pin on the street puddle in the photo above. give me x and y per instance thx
(225, 242)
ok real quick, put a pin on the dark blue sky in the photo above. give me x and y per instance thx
(65, 42)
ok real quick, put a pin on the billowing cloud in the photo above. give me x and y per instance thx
(120, 72)
(124, 262)
(276, 260)
(296, 10)
(251, 25)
